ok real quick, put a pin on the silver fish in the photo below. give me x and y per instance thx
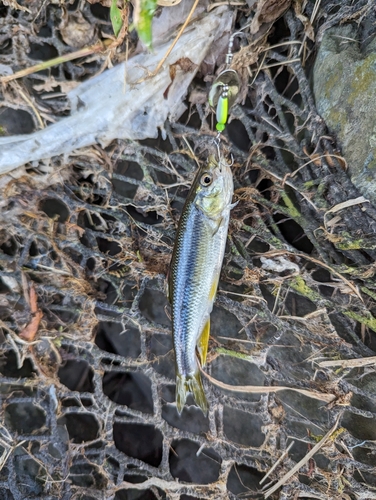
(194, 274)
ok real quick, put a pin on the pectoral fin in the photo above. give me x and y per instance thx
(202, 343)
(217, 226)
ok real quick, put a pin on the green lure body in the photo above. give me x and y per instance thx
(194, 274)
(222, 96)
(222, 111)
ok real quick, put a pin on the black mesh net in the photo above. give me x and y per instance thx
(88, 401)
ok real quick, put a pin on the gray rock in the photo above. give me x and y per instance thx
(345, 92)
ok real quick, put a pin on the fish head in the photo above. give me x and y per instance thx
(214, 188)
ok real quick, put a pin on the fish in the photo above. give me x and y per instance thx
(194, 273)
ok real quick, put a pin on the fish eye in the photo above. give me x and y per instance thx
(206, 179)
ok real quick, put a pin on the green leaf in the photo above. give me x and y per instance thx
(115, 15)
(143, 18)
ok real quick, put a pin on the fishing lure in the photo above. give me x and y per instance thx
(194, 274)
(225, 89)
(222, 96)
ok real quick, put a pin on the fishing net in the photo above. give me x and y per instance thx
(87, 368)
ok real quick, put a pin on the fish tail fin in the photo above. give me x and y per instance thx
(197, 389)
(186, 384)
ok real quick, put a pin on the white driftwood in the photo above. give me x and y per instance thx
(104, 109)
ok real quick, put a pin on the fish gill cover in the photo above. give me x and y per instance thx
(87, 367)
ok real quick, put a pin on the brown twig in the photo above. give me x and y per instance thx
(87, 51)
(255, 389)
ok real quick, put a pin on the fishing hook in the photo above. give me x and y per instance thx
(217, 142)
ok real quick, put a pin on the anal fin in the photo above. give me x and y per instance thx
(202, 343)
(213, 289)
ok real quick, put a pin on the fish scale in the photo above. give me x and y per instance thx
(194, 273)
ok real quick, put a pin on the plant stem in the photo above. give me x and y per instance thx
(99, 47)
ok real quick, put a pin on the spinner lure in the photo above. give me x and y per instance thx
(225, 88)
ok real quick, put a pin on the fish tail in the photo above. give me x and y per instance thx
(186, 384)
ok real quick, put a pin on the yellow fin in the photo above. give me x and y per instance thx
(213, 289)
(202, 343)
(190, 384)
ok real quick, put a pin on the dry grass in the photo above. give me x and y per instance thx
(328, 436)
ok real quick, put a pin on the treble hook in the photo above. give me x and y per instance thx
(232, 160)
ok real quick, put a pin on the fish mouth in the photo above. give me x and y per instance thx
(223, 165)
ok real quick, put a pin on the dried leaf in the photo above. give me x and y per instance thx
(76, 31)
(33, 299)
(333, 238)
(50, 84)
(251, 275)
(315, 157)
(268, 11)
(333, 222)
(73, 228)
(345, 204)
(198, 96)
(184, 63)
(308, 28)
(30, 331)
(341, 160)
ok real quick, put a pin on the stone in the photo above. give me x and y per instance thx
(344, 84)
